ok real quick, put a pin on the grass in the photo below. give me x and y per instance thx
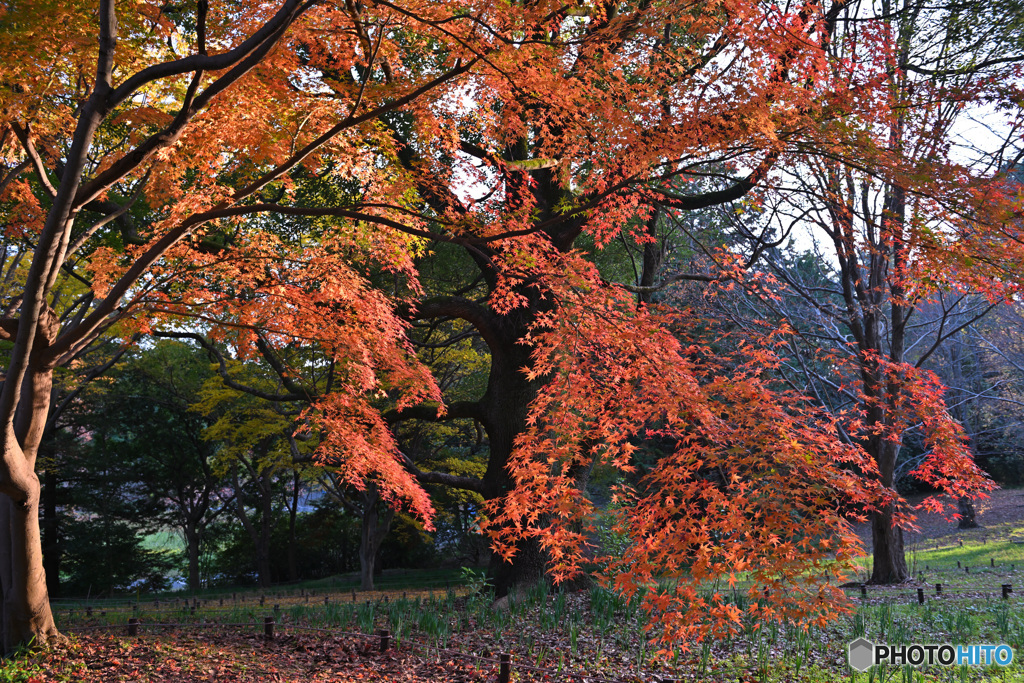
(164, 540)
(602, 634)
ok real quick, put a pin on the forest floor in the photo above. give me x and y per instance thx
(1001, 517)
(226, 656)
(568, 638)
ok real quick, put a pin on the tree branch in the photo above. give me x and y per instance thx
(452, 480)
(222, 369)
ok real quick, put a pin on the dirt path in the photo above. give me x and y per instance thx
(1001, 517)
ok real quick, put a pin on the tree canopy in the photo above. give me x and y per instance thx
(281, 176)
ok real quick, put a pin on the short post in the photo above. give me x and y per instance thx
(1007, 589)
(993, 561)
(505, 668)
(133, 626)
(958, 564)
(88, 611)
(863, 590)
(221, 603)
(967, 569)
(385, 640)
(938, 589)
(920, 596)
(325, 599)
(353, 596)
(262, 600)
(268, 628)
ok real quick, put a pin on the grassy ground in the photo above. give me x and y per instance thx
(589, 632)
(442, 632)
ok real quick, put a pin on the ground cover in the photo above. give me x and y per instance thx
(589, 635)
(443, 631)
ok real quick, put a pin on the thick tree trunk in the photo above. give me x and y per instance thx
(375, 526)
(26, 615)
(890, 564)
(506, 405)
(968, 516)
(25, 603)
(263, 544)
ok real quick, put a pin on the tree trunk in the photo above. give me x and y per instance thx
(506, 405)
(374, 527)
(293, 512)
(192, 549)
(890, 564)
(260, 537)
(26, 615)
(51, 529)
(263, 544)
(968, 516)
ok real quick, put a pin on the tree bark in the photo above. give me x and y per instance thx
(26, 604)
(293, 512)
(260, 537)
(26, 615)
(968, 515)
(506, 404)
(192, 549)
(375, 526)
(890, 563)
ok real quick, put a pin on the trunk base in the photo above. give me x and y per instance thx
(890, 562)
(968, 515)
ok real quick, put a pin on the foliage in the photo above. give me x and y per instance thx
(273, 174)
(104, 555)
(327, 543)
(751, 485)
(140, 465)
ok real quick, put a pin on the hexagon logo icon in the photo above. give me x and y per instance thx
(862, 654)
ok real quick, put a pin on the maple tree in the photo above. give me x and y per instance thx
(904, 259)
(182, 119)
(508, 132)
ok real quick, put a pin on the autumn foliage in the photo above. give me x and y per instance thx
(274, 175)
(751, 482)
